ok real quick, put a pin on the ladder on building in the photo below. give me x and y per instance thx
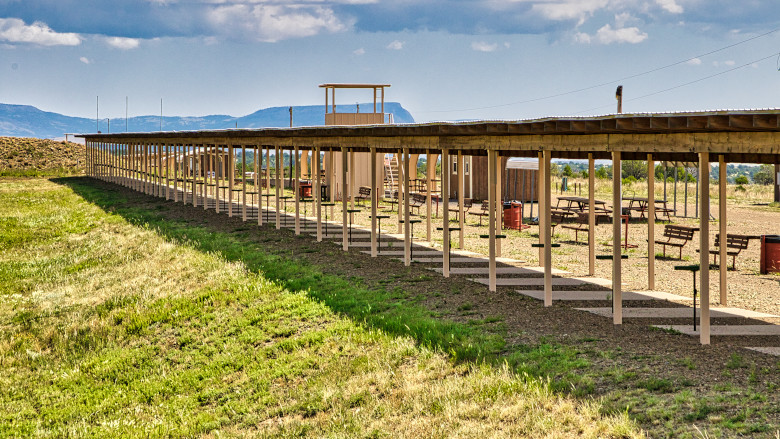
(391, 174)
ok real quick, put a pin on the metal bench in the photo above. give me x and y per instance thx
(483, 211)
(364, 193)
(467, 204)
(734, 246)
(676, 236)
(580, 225)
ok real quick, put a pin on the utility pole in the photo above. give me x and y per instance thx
(97, 114)
(291, 116)
(619, 97)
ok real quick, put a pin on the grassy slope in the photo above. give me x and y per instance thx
(30, 157)
(110, 328)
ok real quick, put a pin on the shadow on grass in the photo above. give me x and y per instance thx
(280, 256)
(277, 256)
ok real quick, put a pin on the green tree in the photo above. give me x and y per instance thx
(555, 170)
(603, 173)
(635, 168)
(765, 175)
(567, 171)
(584, 173)
(741, 179)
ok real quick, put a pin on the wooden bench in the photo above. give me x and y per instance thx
(734, 246)
(467, 204)
(364, 193)
(483, 211)
(580, 225)
(416, 201)
(393, 200)
(676, 236)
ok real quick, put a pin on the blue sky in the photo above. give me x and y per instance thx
(446, 60)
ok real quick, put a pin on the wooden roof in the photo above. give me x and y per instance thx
(751, 136)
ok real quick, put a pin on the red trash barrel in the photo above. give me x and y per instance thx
(513, 215)
(770, 254)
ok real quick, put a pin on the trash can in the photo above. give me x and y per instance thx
(324, 193)
(565, 184)
(513, 215)
(304, 190)
(770, 254)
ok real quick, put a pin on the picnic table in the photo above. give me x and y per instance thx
(579, 204)
(641, 205)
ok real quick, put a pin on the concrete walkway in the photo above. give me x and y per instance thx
(727, 330)
(676, 313)
(536, 271)
(583, 295)
(539, 281)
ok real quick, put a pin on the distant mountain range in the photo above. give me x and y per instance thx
(28, 121)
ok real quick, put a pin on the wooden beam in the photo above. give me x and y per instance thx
(704, 245)
(318, 191)
(344, 208)
(278, 158)
(374, 196)
(297, 189)
(407, 226)
(492, 181)
(547, 230)
(461, 213)
(445, 197)
(430, 174)
(591, 215)
(650, 222)
(617, 219)
(722, 220)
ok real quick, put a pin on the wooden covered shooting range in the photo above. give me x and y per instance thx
(135, 160)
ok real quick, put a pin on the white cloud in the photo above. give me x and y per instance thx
(123, 43)
(582, 37)
(693, 62)
(569, 9)
(608, 35)
(14, 30)
(270, 23)
(670, 6)
(85, 60)
(359, 52)
(396, 45)
(481, 46)
(622, 19)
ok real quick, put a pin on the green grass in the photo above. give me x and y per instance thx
(118, 322)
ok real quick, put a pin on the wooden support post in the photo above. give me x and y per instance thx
(704, 244)
(547, 155)
(167, 171)
(218, 168)
(723, 222)
(351, 179)
(297, 190)
(344, 208)
(492, 181)
(445, 213)
(430, 175)
(278, 183)
(257, 182)
(617, 219)
(317, 195)
(407, 226)
(461, 213)
(373, 203)
(175, 172)
(401, 190)
(158, 171)
(650, 222)
(591, 215)
(499, 202)
(231, 177)
(542, 208)
(243, 182)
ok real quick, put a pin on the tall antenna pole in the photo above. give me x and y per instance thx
(126, 124)
(97, 114)
(291, 116)
(161, 114)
